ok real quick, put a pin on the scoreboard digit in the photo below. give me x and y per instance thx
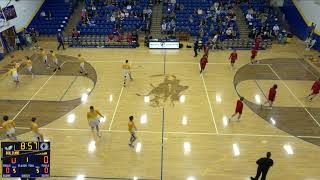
(25, 159)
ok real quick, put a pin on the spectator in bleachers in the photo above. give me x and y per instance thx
(164, 27)
(18, 43)
(28, 40)
(312, 27)
(49, 15)
(191, 19)
(249, 17)
(75, 35)
(83, 14)
(43, 13)
(310, 43)
(276, 29)
(229, 33)
(34, 35)
(282, 37)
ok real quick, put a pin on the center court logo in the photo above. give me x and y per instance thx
(169, 89)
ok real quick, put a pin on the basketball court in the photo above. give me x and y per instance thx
(183, 132)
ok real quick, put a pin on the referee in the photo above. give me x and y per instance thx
(195, 48)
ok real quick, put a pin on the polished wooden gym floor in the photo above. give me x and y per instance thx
(183, 132)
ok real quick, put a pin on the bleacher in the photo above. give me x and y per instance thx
(209, 28)
(101, 24)
(259, 7)
(52, 17)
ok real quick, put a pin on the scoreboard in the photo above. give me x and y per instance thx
(25, 159)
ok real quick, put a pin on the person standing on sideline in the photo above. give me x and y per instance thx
(9, 127)
(195, 48)
(271, 96)
(203, 63)
(35, 129)
(18, 43)
(94, 119)
(254, 53)
(60, 41)
(126, 72)
(132, 130)
(233, 57)
(263, 166)
(315, 90)
(239, 108)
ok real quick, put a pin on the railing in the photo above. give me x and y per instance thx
(98, 41)
(242, 44)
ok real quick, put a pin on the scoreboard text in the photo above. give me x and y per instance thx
(25, 159)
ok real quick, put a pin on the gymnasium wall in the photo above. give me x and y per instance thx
(25, 9)
(300, 14)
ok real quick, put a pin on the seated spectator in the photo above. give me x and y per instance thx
(115, 31)
(93, 8)
(75, 34)
(249, 17)
(112, 18)
(120, 37)
(149, 11)
(276, 30)
(216, 6)
(83, 14)
(190, 19)
(164, 27)
(110, 37)
(129, 37)
(43, 13)
(229, 33)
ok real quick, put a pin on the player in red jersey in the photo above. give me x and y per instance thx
(239, 109)
(315, 90)
(271, 96)
(254, 53)
(203, 63)
(233, 57)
